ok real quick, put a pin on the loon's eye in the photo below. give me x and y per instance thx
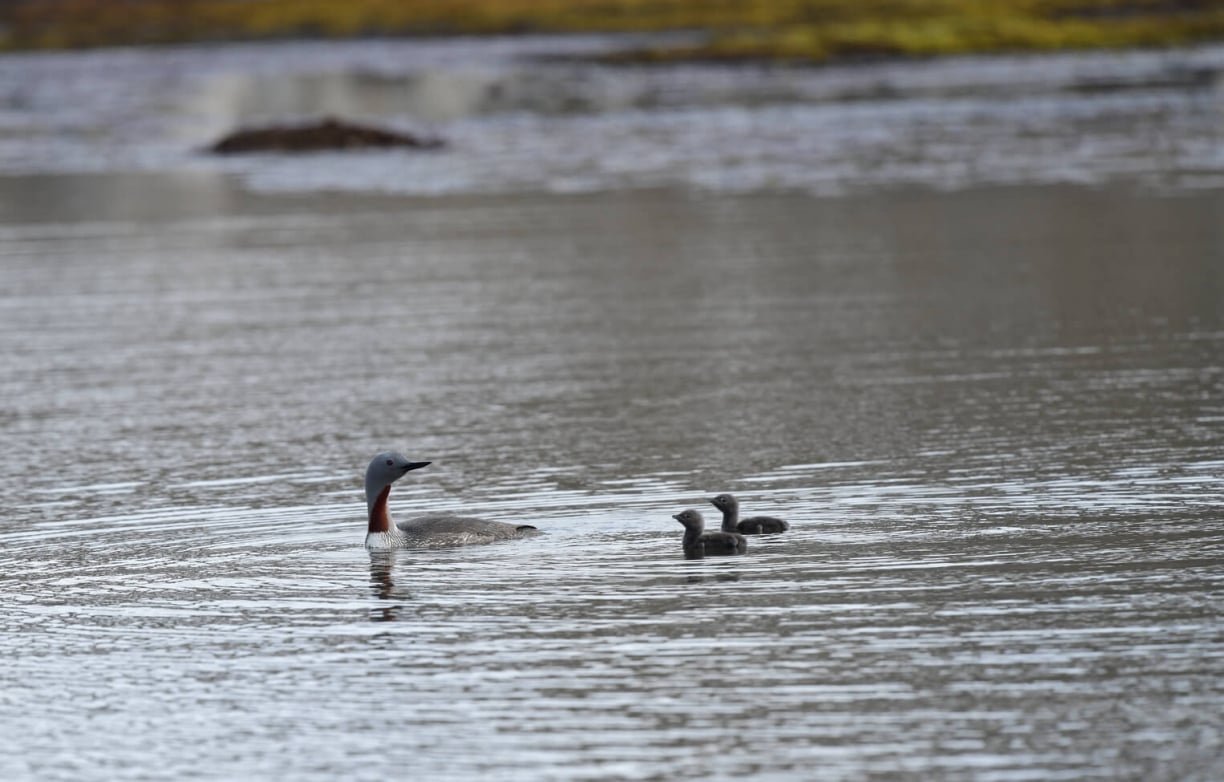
(390, 462)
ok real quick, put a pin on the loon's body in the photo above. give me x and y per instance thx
(756, 525)
(698, 544)
(435, 529)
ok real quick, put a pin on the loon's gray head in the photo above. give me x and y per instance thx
(384, 470)
(725, 502)
(691, 520)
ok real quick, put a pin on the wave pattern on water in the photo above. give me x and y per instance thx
(1002, 468)
(975, 621)
(518, 120)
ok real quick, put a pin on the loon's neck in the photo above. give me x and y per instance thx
(380, 517)
(730, 519)
(382, 541)
(691, 537)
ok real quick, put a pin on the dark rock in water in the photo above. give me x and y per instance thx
(326, 135)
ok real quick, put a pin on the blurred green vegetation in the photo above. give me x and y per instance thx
(800, 30)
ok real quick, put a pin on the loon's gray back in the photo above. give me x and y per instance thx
(445, 529)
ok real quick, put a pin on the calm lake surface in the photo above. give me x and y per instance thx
(994, 416)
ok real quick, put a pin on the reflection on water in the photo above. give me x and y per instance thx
(382, 586)
(716, 577)
(536, 114)
(992, 418)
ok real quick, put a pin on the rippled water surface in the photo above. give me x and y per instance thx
(538, 115)
(993, 416)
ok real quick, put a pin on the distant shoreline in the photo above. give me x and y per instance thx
(790, 31)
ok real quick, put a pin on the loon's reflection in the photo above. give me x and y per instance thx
(382, 586)
(696, 579)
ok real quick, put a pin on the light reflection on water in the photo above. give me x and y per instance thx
(1005, 552)
(991, 635)
(536, 114)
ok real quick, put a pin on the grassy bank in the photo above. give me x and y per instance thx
(801, 30)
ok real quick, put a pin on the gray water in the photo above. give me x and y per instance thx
(993, 415)
(535, 115)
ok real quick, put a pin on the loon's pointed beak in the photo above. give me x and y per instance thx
(676, 517)
(415, 466)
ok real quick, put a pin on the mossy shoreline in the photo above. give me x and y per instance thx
(805, 31)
